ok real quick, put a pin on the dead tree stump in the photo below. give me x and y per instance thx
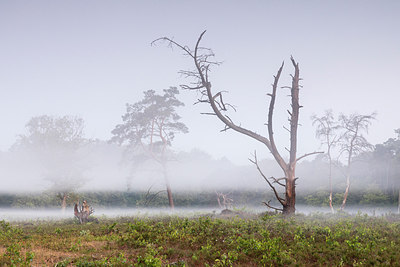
(83, 212)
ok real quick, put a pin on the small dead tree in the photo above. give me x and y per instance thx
(224, 201)
(352, 142)
(326, 132)
(203, 59)
(83, 212)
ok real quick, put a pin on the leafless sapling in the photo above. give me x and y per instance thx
(326, 131)
(352, 142)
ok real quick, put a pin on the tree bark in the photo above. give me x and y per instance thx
(289, 206)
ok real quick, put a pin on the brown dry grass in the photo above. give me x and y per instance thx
(49, 257)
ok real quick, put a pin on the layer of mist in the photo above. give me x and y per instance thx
(100, 166)
(56, 214)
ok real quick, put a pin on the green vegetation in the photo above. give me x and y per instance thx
(131, 199)
(267, 239)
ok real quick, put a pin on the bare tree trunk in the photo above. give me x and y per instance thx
(387, 178)
(330, 184)
(64, 201)
(170, 199)
(349, 158)
(346, 192)
(169, 191)
(398, 205)
(289, 206)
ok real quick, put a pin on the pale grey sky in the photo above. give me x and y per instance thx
(89, 58)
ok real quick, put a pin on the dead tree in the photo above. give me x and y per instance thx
(224, 201)
(326, 131)
(203, 59)
(83, 212)
(352, 142)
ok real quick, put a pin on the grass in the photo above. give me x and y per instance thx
(265, 240)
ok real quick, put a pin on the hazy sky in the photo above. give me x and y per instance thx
(89, 58)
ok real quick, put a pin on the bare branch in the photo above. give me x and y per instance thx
(277, 180)
(284, 127)
(170, 41)
(273, 149)
(226, 128)
(255, 162)
(186, 87)
(309, 154)
(271, 207)
(221, 102)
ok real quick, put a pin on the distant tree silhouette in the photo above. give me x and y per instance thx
(55, 142)
(149, 127)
